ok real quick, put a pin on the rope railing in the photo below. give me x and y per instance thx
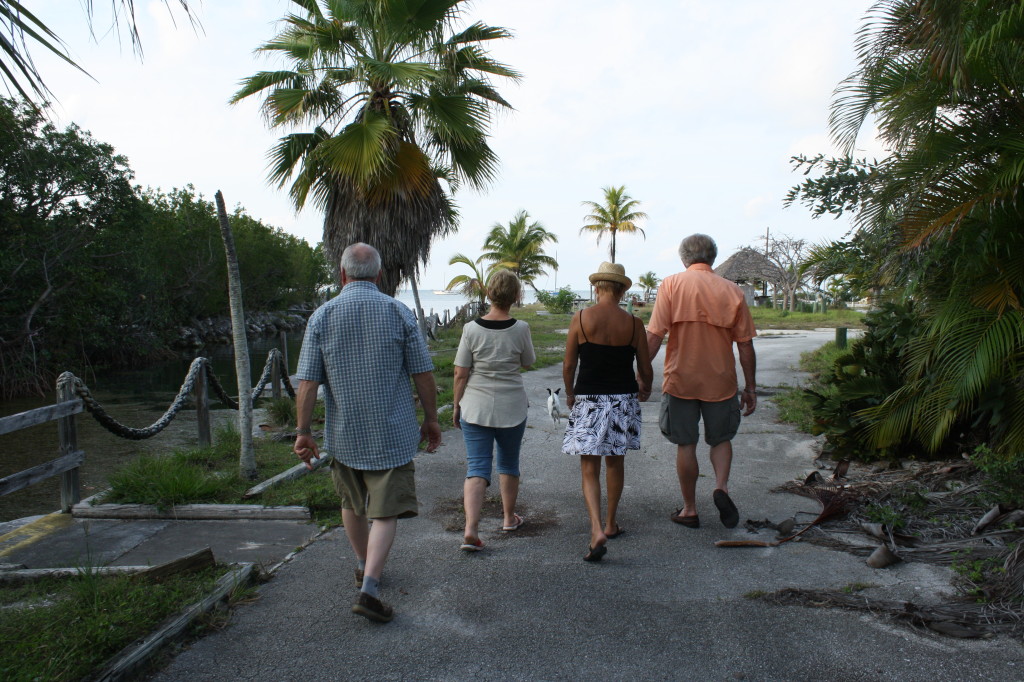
(187, 387)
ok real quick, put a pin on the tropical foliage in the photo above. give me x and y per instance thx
(519, 247)
(20, 28)
(618, 213)
(648, 282)
(93, 271)
(474, 285)
(558, 302)
(390, 97)
(943, 80)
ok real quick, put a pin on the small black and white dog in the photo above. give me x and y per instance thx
(555, 405)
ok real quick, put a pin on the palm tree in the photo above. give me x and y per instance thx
(617, 214)
(395, 97)
(247, 455)
(519, 247)
(19, 27)
(944, 82)
(648, 282)
(472, 286)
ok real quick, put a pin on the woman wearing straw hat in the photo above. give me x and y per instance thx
(604, 397)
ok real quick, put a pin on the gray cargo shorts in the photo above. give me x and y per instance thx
(679, 419)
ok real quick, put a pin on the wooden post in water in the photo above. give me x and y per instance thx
(202, 399)
(275, 378)
(840, 337)
(284, 350)
(70, 491)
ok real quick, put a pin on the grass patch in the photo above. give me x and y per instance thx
(794, 404)
(68, 629)
(211, 475)
(776, 318)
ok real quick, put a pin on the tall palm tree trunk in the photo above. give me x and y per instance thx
(247, 456)
(613, 243)
(419, 308)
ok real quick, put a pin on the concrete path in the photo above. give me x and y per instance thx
(664, 604)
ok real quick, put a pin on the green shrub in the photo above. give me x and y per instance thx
(559, 302)
(281, 412)
(1005, 472)
(165, 481)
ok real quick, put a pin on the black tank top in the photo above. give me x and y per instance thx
(605, 370)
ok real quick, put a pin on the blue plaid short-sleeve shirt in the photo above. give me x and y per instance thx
(363, 346)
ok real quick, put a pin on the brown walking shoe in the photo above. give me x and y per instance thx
(372, 608)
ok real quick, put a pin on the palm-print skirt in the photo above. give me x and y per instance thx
(603, 425)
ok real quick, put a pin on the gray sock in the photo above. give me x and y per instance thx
(361, 564)
(370, 586)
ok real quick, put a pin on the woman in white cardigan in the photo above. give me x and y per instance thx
(490, 403)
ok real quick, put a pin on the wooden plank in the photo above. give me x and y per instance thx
(26, 575)
(132, 657)
(190, 512)
(40, 415)
(196, 561)
(24, 479)
(297, 471)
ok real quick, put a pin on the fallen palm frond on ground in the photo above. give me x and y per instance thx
(933, 513)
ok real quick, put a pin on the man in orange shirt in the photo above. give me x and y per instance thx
(703, 315)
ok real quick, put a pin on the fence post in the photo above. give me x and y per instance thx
(202, 399)
(70, 491)
(840, 337)
(284, 349)
(275, 378)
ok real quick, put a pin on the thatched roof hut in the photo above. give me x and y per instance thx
(746, 266)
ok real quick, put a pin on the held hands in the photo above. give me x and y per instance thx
(305, 448)
(644, 394)
(748, 401)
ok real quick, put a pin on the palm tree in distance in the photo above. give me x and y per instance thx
(519, 247)
(471, 286)
(617, 214)
(395, 97)
(648, 282)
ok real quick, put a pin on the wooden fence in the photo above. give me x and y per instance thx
(70, 458)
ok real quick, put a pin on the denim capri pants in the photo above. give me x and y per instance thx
(480, 442)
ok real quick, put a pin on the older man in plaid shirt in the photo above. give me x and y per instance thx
(363, 346)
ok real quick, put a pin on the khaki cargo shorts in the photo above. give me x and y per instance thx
(377, 494)
(679, 417)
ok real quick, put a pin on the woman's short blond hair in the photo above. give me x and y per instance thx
(617, 289)
(503, 288)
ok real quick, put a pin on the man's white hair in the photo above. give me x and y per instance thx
(360, 261)
(698, 248)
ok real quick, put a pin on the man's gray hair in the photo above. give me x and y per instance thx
(698, 248)
(360, 261)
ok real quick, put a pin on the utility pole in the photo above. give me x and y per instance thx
(764, 283)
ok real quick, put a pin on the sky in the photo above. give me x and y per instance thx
(696, 106)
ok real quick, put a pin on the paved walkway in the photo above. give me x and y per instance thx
(664, 604)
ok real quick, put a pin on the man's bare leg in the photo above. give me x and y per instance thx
(357, 529)
(687, 470)
(721, 461)
(615, 473)
(378, 546)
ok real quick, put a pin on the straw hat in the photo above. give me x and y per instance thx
(611, 272)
